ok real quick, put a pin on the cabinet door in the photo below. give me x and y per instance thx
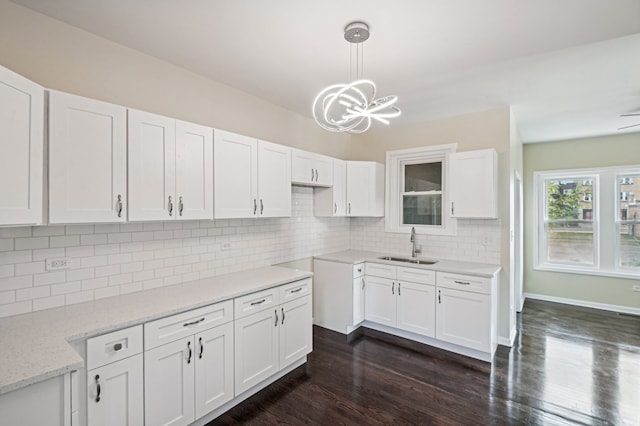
(464, 318)
(358, 300)
(274, 180)
(365, 188)
(302, 170)
(235, 159)
(214, 368)
(169, 383)
(323, 168)
(473, 177)
(380, 300)
(87, 160)
(21, 157)
(256, 348)
(194, 171)
(339, 188)
(120, 399)
(152, 144)
(296, 330)
(416, 308)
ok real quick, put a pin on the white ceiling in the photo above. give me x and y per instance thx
(568, 68)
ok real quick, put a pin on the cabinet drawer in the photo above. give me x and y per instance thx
(358, 270)
(381, 270)
(464, 282)
(416, 275)
(255, 302)
(175, 327)
(111, 347)
(294, 290)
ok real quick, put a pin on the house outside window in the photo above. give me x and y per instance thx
(581, 228)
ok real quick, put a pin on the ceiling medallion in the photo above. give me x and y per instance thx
(351, 107)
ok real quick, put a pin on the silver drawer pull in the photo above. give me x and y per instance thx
(297, 290)
(462, 282)
(117, 347)
(259, 302)
(187, 324)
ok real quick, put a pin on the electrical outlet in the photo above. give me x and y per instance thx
(635, 288)
(226, 246)
(56, 264)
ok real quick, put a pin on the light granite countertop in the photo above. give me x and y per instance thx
(467, 268)
(35, 347)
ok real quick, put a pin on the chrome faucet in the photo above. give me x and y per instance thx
(414, 251)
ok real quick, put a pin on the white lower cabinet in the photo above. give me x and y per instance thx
(403, 298)
(192, 374)
(273, 329)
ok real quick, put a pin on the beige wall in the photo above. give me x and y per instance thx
(606, 151)
(62, 57)
(480, 130)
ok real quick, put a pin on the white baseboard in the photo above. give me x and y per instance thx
(511, 340)
(585, 303)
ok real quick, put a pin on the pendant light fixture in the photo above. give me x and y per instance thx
(352, 107)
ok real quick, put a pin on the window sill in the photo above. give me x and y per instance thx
(633, 275)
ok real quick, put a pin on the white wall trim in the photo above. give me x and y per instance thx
(502, 341)
(585, 303)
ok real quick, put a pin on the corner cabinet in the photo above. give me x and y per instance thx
(365, 189)
(474, 184)
(308, 168)
(332, 201)
(87, 160)
(252, 178)
(21, 150)
(170, 168)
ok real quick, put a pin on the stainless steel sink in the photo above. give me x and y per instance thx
(408, 260)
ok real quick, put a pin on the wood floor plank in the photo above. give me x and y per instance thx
(569, 366)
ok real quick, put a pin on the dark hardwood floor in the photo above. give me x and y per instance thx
(569, 366)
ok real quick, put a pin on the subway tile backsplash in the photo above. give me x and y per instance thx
(112, 259)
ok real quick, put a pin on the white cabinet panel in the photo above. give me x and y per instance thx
(194, 171)
(43, 403)
(308, 168)
(296, 330)
(358, 300)
(169, 384)
(416, 308)
(214, 369)
(256, 348)
(333, 201)
(464, 318)
(274, 180)
(87, 160)
(21, 149)
(365, 189)
(119, 398)
(473, 184)
(380, 305)
(151, 166)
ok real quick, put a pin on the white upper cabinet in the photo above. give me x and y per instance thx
(365, 188)
(87, 160)
(332, 201)
(252, 178)
(311, 169)
(170, 168)
(21, 146)
(474, 184)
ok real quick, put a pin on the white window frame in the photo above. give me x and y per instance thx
(620, 179)
(394, 181)
(606, 213)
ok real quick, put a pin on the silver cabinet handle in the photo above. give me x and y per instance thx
(452, 208)
(276, 323)
(117, 347)
(282, 316)
(258, 302)
(119, 205)
(335, 208)
(180, 206)
(399, 289)
(98, 390)
(461, 282)
(363, 283)
(190, 353)
(316, 175)
(201, 347)
(170, 206)
(439, 300)
(261, 207)
(255, 206)
(187, 324)
(349, 208)
(297, 290)
(311, 175)
(393, 288)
